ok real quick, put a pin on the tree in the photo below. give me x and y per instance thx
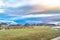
(26, 24)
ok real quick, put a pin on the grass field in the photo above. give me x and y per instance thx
(29, 34)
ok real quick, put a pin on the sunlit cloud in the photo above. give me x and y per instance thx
(43, 9)
(45, 5)
(38, 15)
(45, 2)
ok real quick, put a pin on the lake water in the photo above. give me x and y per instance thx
(57, 38)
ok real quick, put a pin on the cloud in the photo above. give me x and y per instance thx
(1, 3)
(31, 21)
(45, 17)
(16, 9)
(13, 22)
(44, 5)
(45, 2)
(15, 3)
(5, 21)
(30, 16)
(8, 21)
(38, 15)
(4, 4)
(57, 22)
(2, 11)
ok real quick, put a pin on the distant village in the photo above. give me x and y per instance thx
(27, 25)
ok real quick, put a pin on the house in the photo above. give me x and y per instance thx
(16, 26)
(3, 26)
(56, 27)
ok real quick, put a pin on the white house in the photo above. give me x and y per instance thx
(56, 27)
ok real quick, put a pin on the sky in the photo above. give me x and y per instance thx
(30, 11)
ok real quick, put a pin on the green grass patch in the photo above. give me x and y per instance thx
(29, 34)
